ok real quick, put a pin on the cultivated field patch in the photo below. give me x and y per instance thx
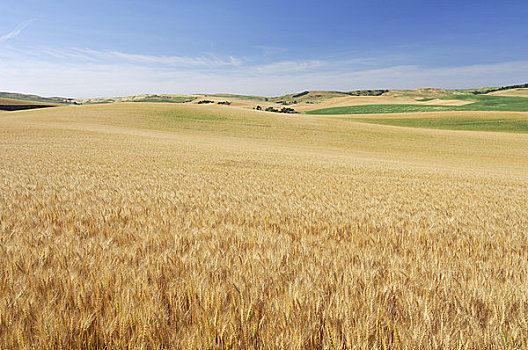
(514, 123)
(476, 103)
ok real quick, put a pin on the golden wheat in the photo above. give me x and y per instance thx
(121, 227)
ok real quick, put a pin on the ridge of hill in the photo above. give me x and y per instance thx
(304, 98)
(35, 98)
(9, 104)
(170, 98)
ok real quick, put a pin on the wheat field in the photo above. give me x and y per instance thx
(204, 227)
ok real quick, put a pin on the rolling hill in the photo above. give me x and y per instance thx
(36, 98)
(9, 104)
(194, 225)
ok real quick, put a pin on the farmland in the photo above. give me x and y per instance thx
(483, 121)
(9, 104)
(164, 225)
(477, 103)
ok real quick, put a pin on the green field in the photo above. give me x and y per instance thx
(455, 123)
(479, 103)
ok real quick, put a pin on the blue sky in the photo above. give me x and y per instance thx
(113, 48)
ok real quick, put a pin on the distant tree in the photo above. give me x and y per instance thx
(288, 110)
(302, 94)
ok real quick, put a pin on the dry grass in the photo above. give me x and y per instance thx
(128, 226)
(511, 92)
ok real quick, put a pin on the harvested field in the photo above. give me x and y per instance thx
(522, 92)
(186, 226)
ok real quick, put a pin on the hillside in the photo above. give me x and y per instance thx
(507, 98)
(189, 226)
(168, 98)
(428, 100)
(512, 92)
(8, 104)
(35, 98)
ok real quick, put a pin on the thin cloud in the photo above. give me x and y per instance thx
(92, 73)
(200, 61)
(270, 50)
(15, 32)
(289, 66)
(113, 57)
